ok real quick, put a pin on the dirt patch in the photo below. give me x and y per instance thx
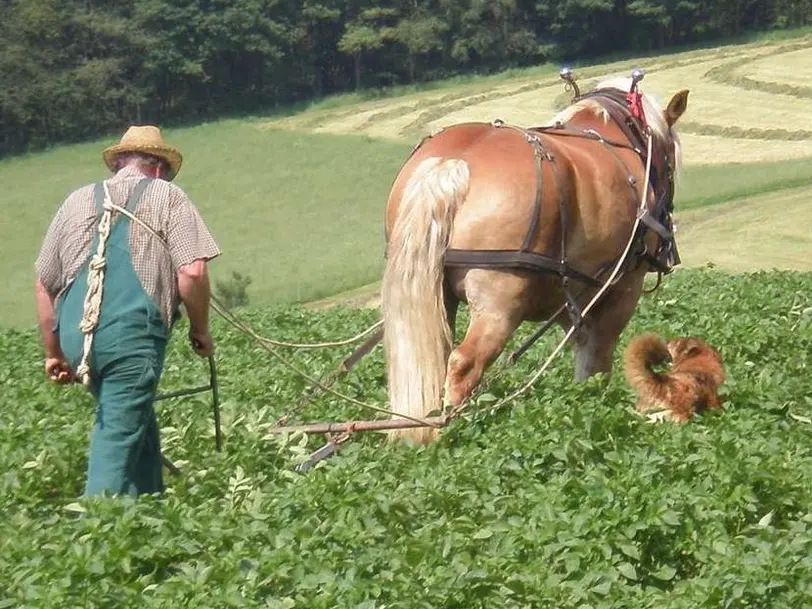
(366, 297)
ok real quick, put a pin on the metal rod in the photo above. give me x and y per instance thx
(173, 469)
(215, 403)
(376, 425)
(325, 452)
(362, 350)
(529, 341)
(520, 350)
(347, 364)
(182, 393)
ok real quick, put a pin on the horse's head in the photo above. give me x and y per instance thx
(660, 120)
(626, 95)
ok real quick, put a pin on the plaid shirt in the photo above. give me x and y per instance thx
(163, 206)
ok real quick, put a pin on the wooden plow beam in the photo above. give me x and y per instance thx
(349, 362)
(351, 426)
(334, 430)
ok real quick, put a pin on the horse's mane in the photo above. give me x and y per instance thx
(651, 108)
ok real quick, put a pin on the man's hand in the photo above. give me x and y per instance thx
(202, 343)
(58, 370)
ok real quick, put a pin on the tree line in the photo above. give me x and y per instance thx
(75, 69)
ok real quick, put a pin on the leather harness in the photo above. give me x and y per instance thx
(662, 260)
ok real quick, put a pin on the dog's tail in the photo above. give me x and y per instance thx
(644, 352)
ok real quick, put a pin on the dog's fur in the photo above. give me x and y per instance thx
(689, 386)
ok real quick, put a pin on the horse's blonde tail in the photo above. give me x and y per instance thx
(417, 338)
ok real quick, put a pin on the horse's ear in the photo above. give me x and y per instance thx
(676, 107)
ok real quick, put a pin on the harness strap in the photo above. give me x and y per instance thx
(515, 259)
(619, 112)
(538, 156)
(562, 130)
(524, 257)
(535, 143)
(617, 105)
(648, 219)
(132, 202)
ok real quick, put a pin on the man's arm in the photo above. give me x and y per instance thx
(195, 293)
(45, 320)
(48, 269)
(192, 246)
(55, 365)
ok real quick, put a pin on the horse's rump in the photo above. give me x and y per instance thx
(526, 187)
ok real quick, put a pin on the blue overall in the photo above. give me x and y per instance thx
(126, 363)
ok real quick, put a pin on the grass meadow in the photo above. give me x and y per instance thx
(296, 199)
(300, 213)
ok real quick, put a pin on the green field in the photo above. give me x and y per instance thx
(300, 213)
(566, 500)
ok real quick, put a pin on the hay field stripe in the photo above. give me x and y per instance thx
(781, 63)
(749, 235)
(723, 105)
(745, 133)
(718, 150)
(335, 120)
(794, 68)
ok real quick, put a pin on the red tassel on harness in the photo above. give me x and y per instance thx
(635, 101)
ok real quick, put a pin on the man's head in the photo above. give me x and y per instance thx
(145, 148)
(147, 164)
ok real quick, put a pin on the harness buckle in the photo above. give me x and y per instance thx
(573, 310)
(648, 219)
(595, 134)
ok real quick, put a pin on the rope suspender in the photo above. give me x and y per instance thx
(96, 270)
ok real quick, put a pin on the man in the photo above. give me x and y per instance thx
(107, 295)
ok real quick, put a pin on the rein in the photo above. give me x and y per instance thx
(93, 306)
(592, 303)
(640, 140)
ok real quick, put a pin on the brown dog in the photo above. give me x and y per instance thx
(689, 386)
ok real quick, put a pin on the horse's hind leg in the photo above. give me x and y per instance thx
(496, 311)
(594, 343)
(484, 340)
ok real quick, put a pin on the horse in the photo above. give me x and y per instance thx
(521, 223)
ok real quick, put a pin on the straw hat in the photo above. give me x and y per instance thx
(147, 140)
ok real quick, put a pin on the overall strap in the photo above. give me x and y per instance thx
(98, 198)
(97, 264)
(132, 202)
